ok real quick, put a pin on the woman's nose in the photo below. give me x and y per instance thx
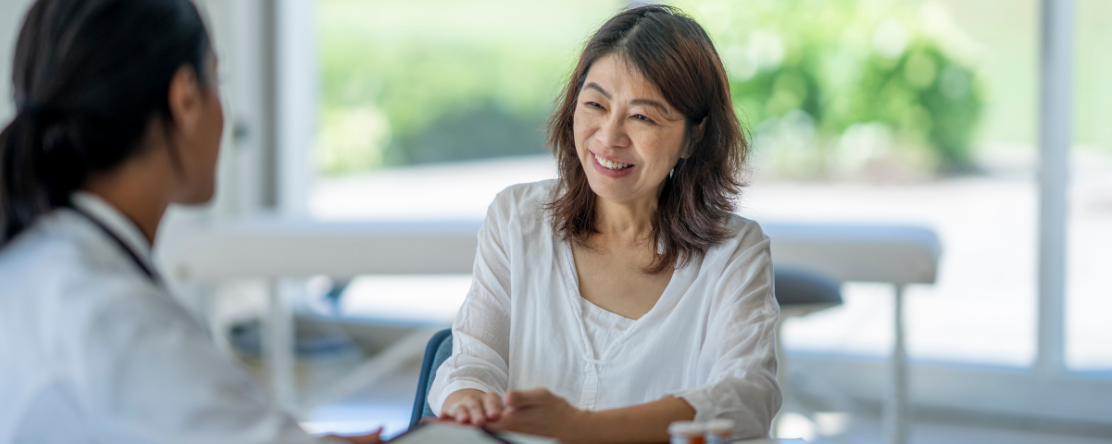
(612, 133)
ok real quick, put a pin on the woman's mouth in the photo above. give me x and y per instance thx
(610, 168)
(611, 165)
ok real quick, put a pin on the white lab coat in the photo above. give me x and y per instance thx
(710, 338)
(94, 350)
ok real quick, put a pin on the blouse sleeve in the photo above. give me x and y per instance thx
(480, 334)
(742, 384)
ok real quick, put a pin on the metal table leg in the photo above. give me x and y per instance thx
(278, 347)
(896, 410)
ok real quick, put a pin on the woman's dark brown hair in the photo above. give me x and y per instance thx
(88, 77)
(674, 53)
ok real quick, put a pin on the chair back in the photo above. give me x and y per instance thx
(437, 351)
(802, 286)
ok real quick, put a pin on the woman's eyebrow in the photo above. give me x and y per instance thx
(652, 103)
(648, 102)
(596, 87)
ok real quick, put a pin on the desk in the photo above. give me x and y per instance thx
(272, 248)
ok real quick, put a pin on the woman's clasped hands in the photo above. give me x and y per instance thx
(536, 412)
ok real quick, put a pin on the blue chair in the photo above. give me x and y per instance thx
(798, 291)
(438, 351)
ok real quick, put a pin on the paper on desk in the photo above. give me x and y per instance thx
(440, 433)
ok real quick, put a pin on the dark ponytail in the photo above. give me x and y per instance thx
(89, 78)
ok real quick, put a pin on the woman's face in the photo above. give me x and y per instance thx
(200, 140)
(627, 137)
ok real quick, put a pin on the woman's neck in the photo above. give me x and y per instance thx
(626, 221)
(140, 189)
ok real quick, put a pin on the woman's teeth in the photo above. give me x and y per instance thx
(612, 165)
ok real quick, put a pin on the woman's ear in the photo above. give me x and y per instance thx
(697, 133)
(185, 101)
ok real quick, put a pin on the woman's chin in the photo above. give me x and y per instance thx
(617, 192)
(197, 197)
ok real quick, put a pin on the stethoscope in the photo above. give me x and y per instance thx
(123, 246)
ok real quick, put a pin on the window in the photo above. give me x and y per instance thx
(1089, 258)
(921, 112)
(909, 112)
(444, 99)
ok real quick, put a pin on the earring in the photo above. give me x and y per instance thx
(671, 172)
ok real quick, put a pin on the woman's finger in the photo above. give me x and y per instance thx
(470, 411)
(478, 416)
(373, 438)
(527, 398)
(450, 413)
(462, 413)
(493, 405)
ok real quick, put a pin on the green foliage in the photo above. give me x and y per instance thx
(418, 81)
(453, 80)
(846, 63)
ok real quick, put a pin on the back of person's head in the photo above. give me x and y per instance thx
(675, 54)
(90, 78)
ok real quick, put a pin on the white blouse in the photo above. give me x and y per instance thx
(94, 350)
(710, 338)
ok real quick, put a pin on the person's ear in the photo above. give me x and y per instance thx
(185, 100)
(697, 133)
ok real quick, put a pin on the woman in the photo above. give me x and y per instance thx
(119, 117)
(625, 294)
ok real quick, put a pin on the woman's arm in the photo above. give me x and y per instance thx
(468, 385)
(636, 424)
(539, 412)
(742, 384)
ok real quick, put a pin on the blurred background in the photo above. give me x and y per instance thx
(344, 113)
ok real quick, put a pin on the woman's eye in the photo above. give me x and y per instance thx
(642, 118)
(593, 104)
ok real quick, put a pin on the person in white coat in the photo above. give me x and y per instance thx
(118, 118)
(626, 294)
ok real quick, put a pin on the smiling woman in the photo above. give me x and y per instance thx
(625, 295)
(676, 102)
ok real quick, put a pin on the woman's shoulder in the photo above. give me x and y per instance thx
(57, 272)
(43, 252)
(744, 238)
(527, 195)
(523, 202)
(63, 255)
(739, 268)
(744, 231)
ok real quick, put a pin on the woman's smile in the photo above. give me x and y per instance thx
(610, 168)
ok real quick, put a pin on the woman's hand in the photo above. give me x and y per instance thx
(373, 438)
(473, 407)
(539, 412)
